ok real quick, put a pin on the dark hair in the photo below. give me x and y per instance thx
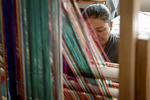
(97, 10)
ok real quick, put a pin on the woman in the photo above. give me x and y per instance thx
(100, 18)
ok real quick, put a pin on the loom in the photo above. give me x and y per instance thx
(129, 78)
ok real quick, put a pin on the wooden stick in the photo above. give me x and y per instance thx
(84, 4)
(91, 2)
(94, 0)
(128, 33)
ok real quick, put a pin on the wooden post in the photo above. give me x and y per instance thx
(57, 51)
(128, 33)
(143, 69)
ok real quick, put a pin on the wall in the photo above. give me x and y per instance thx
(145, 5)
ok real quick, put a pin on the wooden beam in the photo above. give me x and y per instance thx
(94, 0)
(91, 2)
(128, 33)
(84, 4)
(143, 69)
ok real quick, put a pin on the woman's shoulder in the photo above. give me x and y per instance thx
(111, 48)
(114, 38)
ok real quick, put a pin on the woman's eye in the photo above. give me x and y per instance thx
(100, 30)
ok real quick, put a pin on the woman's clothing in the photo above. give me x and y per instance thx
(111, 48)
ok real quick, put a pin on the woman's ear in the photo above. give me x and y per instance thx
(111, 25)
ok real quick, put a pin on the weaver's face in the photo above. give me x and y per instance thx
(102, 30)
